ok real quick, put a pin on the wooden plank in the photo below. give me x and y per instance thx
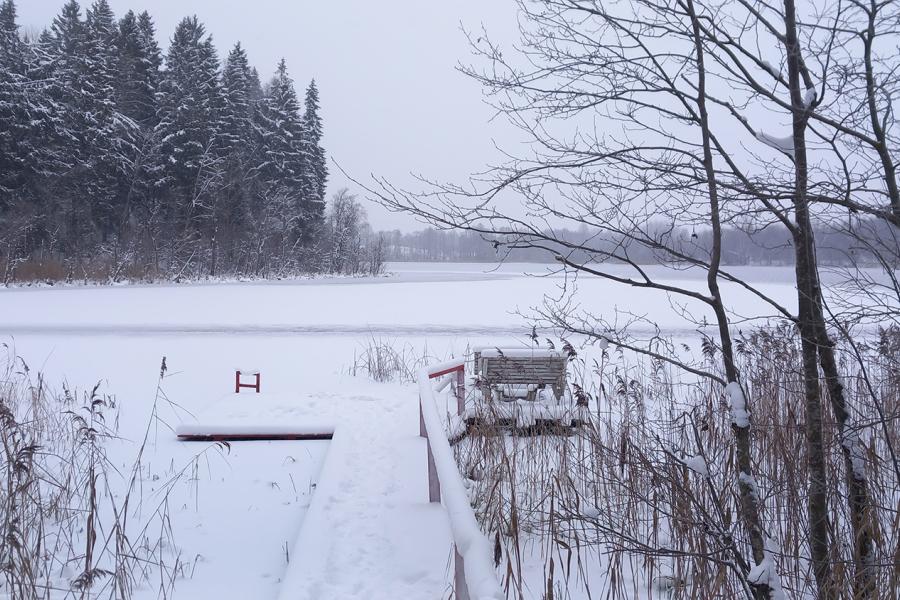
(252, 437)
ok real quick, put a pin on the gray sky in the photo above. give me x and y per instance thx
(392, 101)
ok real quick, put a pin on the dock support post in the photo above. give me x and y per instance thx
(459, 576)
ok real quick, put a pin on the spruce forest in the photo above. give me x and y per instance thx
(118, 161)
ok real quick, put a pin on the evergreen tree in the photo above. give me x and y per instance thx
(235, 125)
(186, 167)
(139, 64)
(231, 215)
(189, 101)
(14, 110)
(256, 91)
(280, 126)
(111, 139)
(315, 174)
(69, 96)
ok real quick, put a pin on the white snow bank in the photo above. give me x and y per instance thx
(740, 416)
(471, 543)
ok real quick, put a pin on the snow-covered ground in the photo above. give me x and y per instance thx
(250, 519)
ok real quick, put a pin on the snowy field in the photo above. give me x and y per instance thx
(239, 516)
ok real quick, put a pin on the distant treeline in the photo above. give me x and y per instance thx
(766, 247)
(116, 160)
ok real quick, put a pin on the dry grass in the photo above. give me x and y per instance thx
(641, 502)
(72, 525)
(384, 360)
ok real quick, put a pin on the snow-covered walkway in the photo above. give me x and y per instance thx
(369, 531)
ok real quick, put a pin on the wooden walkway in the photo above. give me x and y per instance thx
(370, 531)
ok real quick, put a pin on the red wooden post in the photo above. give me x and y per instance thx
(238, 385)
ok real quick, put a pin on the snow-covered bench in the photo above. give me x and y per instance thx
(516, 373)
(524, 388)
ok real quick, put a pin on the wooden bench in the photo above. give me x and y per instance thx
(520, 373)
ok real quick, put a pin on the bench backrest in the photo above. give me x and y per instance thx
(515, 367)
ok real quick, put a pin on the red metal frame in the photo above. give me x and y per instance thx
(238, 385)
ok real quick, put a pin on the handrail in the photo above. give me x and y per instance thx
(475, 578)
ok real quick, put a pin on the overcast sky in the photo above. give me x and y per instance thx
(392, 101)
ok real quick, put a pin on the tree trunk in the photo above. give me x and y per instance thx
(808, 296)
(749, 499)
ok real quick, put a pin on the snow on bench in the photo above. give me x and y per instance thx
(519, 372)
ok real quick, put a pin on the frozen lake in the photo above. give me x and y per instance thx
(303, 336)
(414, 300)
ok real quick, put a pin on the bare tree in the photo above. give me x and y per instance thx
(644, 123)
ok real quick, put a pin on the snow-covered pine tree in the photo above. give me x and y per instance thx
(235, 144)
(69, 96)
(315, 171)
(235, 123)
(189, 101)
(281, 163)
(14, 113)
(139, 68)
(256, 91)
(225, 171)
(111, 138)
(280, 126)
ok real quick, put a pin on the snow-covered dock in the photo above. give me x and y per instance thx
(370, 531)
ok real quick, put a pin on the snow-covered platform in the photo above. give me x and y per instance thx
(369, 531)
(263, 416)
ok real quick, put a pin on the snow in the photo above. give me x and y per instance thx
(493, 352)
(591, 512)
(697, 464)
(738, 403)
(343, 518)
(765, 573)
(772, 70)
(782, 144)
(472, 545)
(454, 300)
(809, 97)
(750, 481)
(370, 532)
(851, 442)
(526, 413)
